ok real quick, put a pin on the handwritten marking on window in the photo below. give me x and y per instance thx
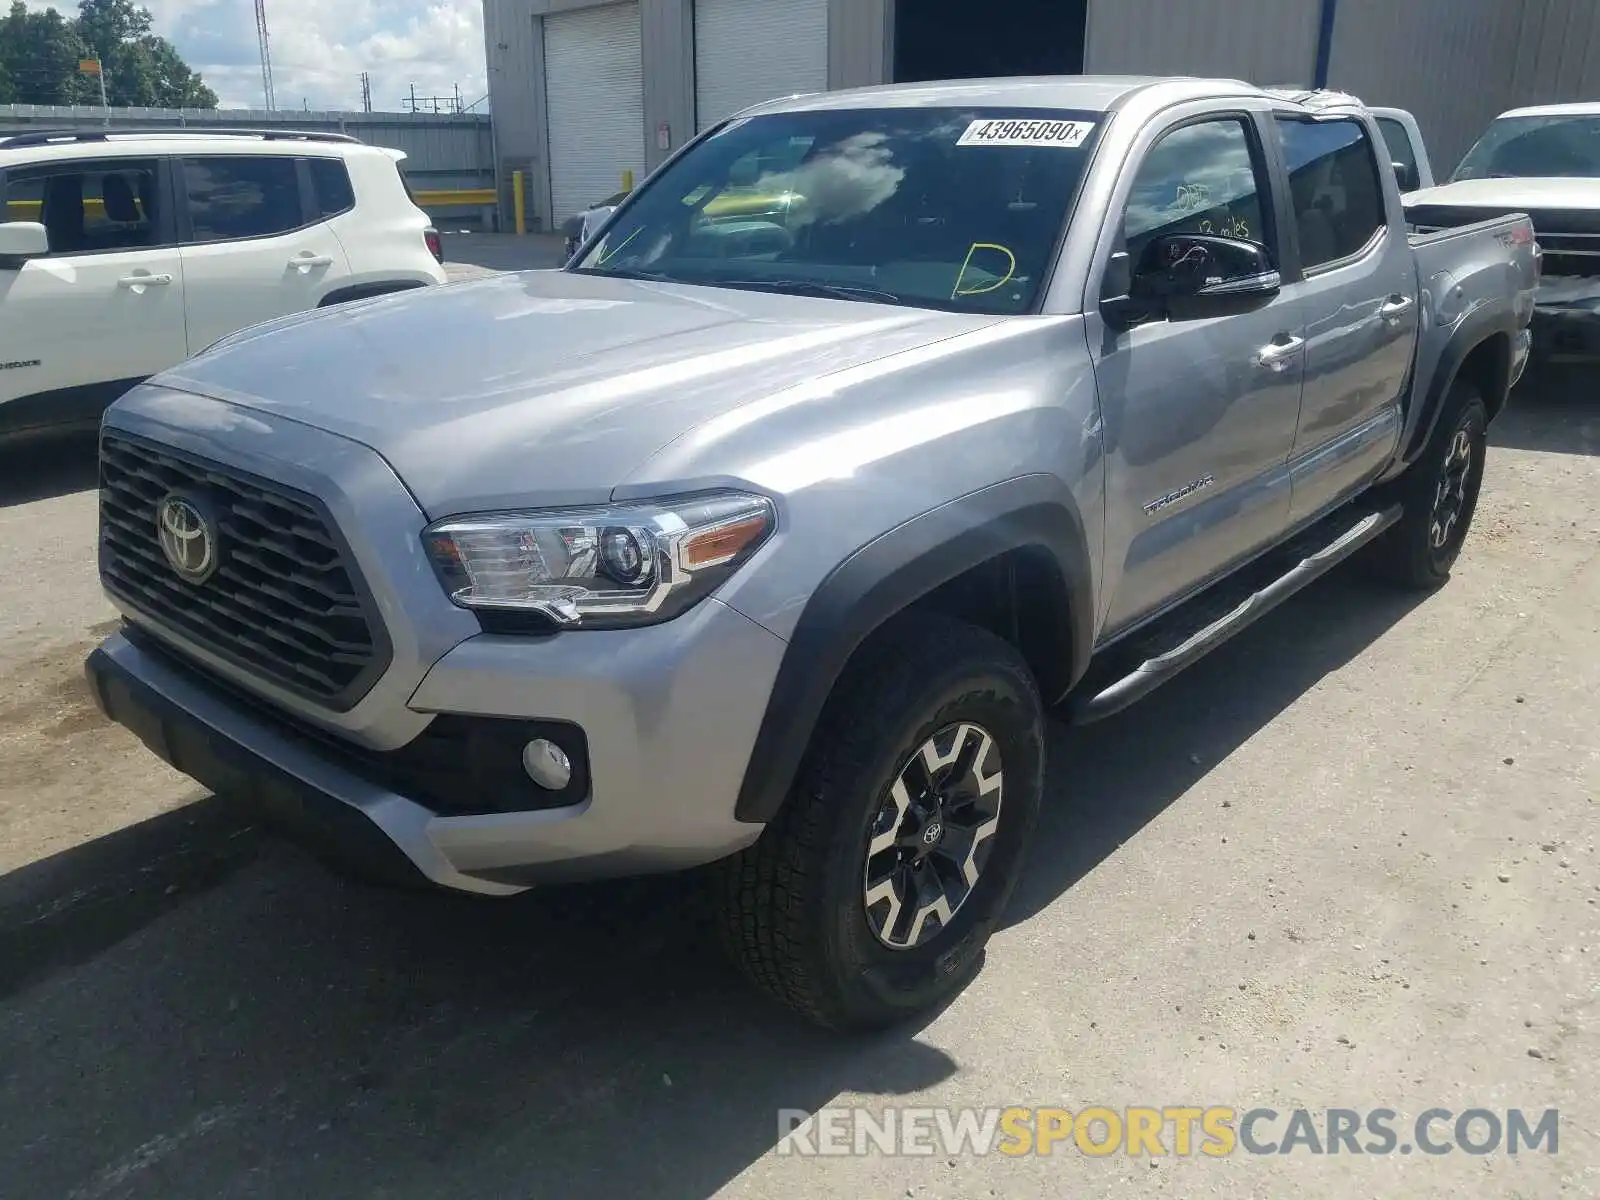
(1011, 269)
(608, 254)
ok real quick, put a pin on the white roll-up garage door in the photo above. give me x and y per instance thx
(594, 95)
(747, 51)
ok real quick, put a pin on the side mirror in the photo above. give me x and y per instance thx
(1117, 304)
(1406, 175)
(1187, 276)
(20, 241)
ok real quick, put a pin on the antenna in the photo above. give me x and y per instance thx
(366, 92)
(266, 54)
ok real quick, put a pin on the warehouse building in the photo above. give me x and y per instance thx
(589, 93)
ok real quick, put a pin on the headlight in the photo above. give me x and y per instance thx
(601, 567)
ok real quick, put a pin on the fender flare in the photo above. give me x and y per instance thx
(1473, 332)
(1033, 513)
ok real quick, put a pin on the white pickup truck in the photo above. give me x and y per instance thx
(1544, 162)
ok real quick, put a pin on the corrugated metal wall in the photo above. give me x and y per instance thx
(443, 150)
(1456, 64)
(1262, 41)
(1449, 61)
(1557, 53)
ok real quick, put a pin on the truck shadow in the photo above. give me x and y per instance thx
(1108, 780)
(47, 467)
(195, 1009)
(1555, 409)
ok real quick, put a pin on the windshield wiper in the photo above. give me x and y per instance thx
(809, 287)
(625, 273)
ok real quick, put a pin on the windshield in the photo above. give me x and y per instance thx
(949, 208)
(1535, 147)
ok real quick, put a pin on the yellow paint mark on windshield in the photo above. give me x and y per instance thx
(608, 255)
(1011, 270)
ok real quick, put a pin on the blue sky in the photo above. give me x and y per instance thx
(320, 48)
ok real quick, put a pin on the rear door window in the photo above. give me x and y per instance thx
(231, 199)
(1333, 186)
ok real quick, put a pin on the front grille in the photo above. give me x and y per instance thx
(1570, 239)
(285, 603)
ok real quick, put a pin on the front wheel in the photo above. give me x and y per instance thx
(872, 895)
(1439, 496)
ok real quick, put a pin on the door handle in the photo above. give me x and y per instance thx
(144, 281)
(1276, 355)
(306, 261)
(1395, 307)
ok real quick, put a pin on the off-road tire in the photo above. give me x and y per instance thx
(1408, 554)
(792, 911)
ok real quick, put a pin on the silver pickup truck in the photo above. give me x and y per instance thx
(766, 541)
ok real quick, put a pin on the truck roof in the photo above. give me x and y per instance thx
(1092, 93)
(1584, 108)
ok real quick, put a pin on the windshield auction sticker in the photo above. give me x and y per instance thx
(1067, 135)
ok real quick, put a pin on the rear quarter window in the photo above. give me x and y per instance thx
(330, 180)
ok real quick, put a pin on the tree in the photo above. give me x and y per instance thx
(141, 67)
(40, 52)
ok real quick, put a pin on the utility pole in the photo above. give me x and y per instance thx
(97, 68)
(266, 55)
(366, 91)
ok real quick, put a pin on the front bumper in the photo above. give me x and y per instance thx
(669, 720)
(1521, 353)
(1566, 332)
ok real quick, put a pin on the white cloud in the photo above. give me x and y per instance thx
(321, 47)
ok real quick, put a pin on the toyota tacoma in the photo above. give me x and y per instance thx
(763, 542)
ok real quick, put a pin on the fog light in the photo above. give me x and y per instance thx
(547, 764)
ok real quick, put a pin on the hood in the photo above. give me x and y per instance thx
(1509, 195)
(546, 387)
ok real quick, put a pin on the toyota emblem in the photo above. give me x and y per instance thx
(188, 538)
(932, 834)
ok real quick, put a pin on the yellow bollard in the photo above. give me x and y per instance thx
(519, 202)
(627, 180)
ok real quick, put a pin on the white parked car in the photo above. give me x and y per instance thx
(124, 252)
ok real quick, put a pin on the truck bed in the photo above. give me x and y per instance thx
(1462, 268)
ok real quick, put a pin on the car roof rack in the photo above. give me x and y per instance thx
(50, 137)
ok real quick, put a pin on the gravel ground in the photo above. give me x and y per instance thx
(1348, 861)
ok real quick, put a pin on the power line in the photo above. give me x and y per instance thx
(433, 104)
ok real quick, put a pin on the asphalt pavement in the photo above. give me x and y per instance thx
(1347, 861)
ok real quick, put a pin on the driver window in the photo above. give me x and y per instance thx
(1200, 178)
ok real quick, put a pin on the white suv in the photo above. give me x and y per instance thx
(124, 252)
